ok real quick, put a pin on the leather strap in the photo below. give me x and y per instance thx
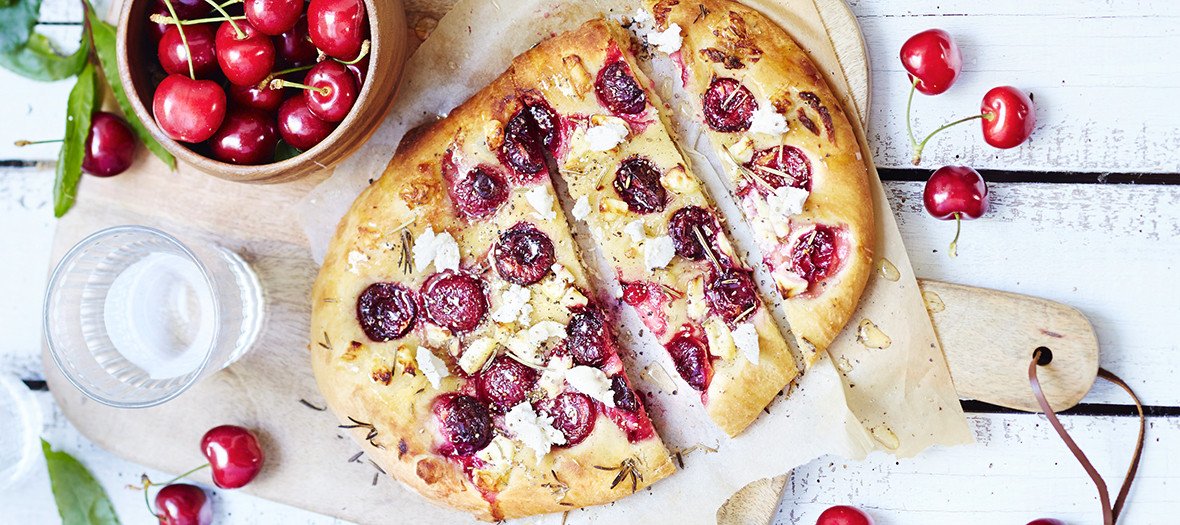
(1110, 514)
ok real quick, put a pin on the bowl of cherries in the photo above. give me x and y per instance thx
(261, 91)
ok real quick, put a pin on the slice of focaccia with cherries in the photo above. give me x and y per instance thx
(793, 158)
(453, 332)
(651, 219)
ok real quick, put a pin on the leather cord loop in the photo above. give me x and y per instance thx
(1110, 513)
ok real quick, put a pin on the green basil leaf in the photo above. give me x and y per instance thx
(73, 149)
(39, 60)
(16, 23)
(104, 46)
(80, 499)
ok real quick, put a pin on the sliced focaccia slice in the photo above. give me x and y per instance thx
(452, 330)
(792, 156)
(651, 219)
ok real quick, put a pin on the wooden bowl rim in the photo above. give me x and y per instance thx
(274, 171)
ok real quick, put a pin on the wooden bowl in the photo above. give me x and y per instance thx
(387, 56)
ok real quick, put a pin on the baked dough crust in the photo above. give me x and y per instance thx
(735, 41)
(377, 383)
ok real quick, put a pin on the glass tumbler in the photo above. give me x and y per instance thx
(134, 317)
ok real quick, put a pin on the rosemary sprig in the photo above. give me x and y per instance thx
(361, 424)
(327, 342)
(705, 245)
(308, 404)
(627, 469)
(702, 14)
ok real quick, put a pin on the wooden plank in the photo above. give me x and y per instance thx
(1109, 251)
(1017, 471)
(1105, 91)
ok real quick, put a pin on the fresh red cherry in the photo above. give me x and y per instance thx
(188, 9)
(844, 515)
(1008, 117)
(245, 54)
(333, 92)
(299, 127)
(247, 136)
(956, 192)
(110, 147)
(188, 110)
(183, 504)
(273, 17)
(293, 48)
(933, 61)
(262, 98)
(174, 55)
(234, 455)
(359, 70)
(156, 30)
(1046, 521)
(337, 27)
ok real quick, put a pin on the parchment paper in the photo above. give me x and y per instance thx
(899, 399)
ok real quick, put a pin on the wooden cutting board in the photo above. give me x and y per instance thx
(988, 336)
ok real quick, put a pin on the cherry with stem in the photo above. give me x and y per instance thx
(956, 192)
(183, 39)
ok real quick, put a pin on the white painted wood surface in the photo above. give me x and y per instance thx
(1106, 78)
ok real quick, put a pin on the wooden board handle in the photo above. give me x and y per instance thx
(989, 336)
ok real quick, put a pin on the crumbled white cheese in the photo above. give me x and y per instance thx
(430, 365)
(355, 258)
(606, 136)
(533, 430)
(658, 252)
(592, 382)
(514, 305)
(667, 41)
(526, 344)
(745, 337)
(476, 354)
(553, 378)
(582, 208)
(542, 201)
(441, 249)
(787, 201)
(635, 230)
(768, 121)
(642, 17)
(546, 330)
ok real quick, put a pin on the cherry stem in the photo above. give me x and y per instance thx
(918, 149)
(271, 77)
(183, 40)
(359, 56)
(231, 2)
(23, 143)
(910, 102)
(954, 249)
(161, 19)
(279, 83)
(230, 19)
(147, 483)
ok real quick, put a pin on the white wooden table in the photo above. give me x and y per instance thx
(1064, 225)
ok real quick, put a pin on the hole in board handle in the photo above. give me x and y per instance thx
(1045, 357)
